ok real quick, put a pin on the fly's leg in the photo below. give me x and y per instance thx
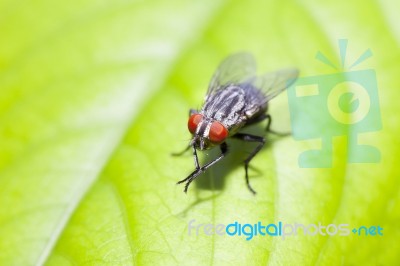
(268, 129)
(268, 117)
(181, 152)
(250, 138)
(199, 170)
(191, 112)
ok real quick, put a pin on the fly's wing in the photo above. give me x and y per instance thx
(273, 83)
(235, 69)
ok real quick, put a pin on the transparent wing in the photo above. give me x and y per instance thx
(236, 68)
(273, 83)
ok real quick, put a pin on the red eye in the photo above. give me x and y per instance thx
(218, 132)
(194, 120)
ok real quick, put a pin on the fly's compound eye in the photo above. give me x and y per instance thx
(218, 132)
(194, 120)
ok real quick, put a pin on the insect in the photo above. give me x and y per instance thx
(236, 98)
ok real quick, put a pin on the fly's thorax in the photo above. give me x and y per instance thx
(227, 106)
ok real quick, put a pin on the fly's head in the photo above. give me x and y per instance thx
(206, 132)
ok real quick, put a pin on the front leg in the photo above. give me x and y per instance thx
(199, 170)
(191, 112)
(181, 152)
(250, 138)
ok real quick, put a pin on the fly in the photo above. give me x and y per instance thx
(236, 98)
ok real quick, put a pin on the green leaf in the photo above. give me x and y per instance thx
(94, 98)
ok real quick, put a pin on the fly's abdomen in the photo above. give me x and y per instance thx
(256, 102)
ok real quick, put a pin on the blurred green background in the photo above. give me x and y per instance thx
(94, 96)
